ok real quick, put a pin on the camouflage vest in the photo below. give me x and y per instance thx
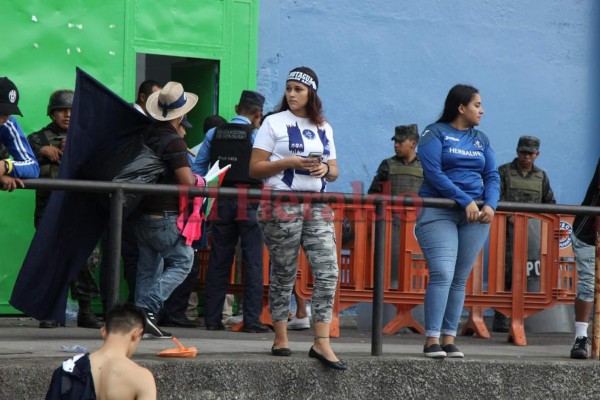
(405, 178)
(50, 138)
(48, 169)
(525, 189)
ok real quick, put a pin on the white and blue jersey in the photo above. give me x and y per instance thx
(286, 135)
(25, 164)
(458, 165)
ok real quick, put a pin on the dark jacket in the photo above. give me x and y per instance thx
(73, 380)
(584, 226)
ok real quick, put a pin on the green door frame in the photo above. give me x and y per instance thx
(103, 37)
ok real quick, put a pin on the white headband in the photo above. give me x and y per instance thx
(304, 78)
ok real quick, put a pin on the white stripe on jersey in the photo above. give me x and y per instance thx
(24, 158)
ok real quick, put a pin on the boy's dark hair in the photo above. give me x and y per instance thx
(124, 317)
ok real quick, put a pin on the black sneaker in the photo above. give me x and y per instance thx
(580, 348)
(256, 327)
(152, 330)
(434, 351)
(452, 351)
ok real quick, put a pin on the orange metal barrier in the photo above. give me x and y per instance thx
(567, 274)
(518, 303)
(556, 281)
(405, 284)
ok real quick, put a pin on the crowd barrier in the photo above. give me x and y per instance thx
(405, 283)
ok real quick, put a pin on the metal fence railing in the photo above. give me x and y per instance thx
(118, 190)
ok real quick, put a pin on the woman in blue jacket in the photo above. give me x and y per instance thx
(459, 164)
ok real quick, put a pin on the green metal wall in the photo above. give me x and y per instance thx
(44, 40)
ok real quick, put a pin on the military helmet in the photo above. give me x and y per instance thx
(62, 98)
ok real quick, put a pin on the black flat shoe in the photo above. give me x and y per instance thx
(341, 364)
(282, 352)
(218, 327)
(257, 327)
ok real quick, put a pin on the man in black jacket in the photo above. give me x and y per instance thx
(165, 260)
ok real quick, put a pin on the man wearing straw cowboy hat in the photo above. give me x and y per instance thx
(159, 241)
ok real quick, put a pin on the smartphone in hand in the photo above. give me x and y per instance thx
(315, 154)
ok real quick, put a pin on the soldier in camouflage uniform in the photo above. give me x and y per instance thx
(397, 175)
(48, 145)
(403, 171)
(521, 181)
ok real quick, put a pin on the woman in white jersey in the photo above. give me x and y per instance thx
(294, 151)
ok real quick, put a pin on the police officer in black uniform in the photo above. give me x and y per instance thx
(48, 144)
(523, 182)
(232, 144)
(398, 175)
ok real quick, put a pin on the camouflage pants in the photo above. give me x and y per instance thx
(285, 227)
(84, 287)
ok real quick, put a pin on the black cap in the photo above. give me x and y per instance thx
(249, 97)
(530, 144)
(9, 97)
(403, 132)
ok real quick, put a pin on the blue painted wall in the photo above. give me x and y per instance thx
(384, 63)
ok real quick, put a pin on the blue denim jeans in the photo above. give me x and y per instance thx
(585, 262)
(164, 261)
(450, 246)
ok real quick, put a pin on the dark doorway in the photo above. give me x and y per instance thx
(199, 76)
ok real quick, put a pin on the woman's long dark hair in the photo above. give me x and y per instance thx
(314, 107)
(459, 94)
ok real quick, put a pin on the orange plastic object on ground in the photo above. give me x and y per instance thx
(179, 352)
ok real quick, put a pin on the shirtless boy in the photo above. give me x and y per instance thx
(109, 373)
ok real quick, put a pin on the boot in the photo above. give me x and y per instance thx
(86, 318)
(49, 324)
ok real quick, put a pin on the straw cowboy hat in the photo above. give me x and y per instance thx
(170, 102)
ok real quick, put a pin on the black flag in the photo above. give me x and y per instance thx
(101, 124)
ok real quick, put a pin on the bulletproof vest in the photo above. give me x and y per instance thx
(48, 169)
(50, 138)
(405, 178)
(232, 144)
(525, 189)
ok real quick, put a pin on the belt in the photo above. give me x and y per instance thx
(163, 214)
